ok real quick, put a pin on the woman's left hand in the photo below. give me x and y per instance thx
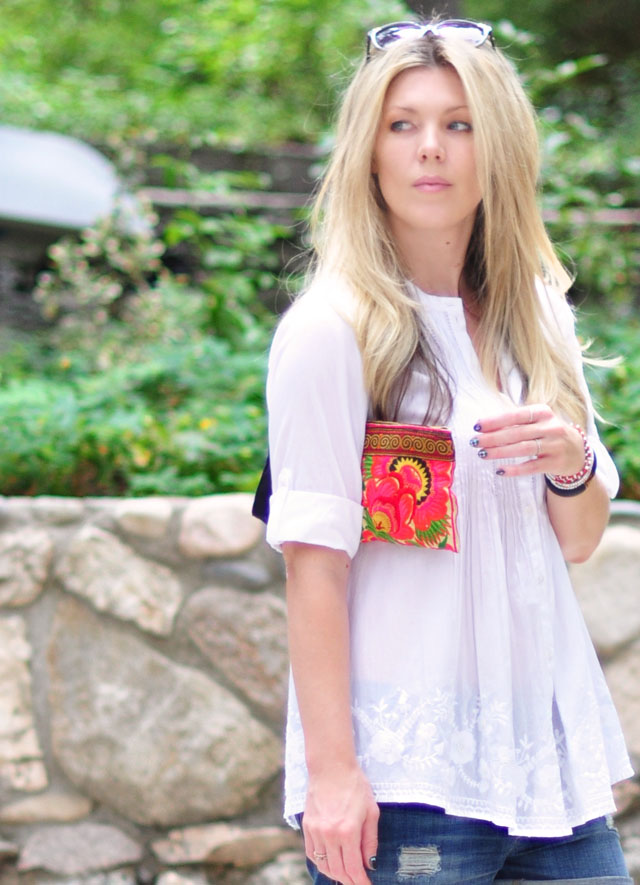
(533, 432)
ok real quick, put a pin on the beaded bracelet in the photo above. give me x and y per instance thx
(574, 483)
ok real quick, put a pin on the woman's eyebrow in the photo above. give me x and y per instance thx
(410, 109)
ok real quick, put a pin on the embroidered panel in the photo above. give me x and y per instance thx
(407, 474)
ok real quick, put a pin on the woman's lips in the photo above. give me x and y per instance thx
(431, 184)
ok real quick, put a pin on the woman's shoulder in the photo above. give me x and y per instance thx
(320, 318)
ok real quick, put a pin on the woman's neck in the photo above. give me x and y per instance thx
(435, 259)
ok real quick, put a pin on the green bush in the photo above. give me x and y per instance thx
(178, 413)
(145, 382)
(616, 388)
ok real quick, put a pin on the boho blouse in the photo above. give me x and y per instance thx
(475, 686)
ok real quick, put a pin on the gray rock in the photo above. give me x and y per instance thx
(224, 845)
(115, 579)
(160, 743)
(288, 868)
(244, 635)
(219, 525)
(627, 798)
(21, 765)
(59, 807)
(241, 573)
(57, 511)
(25, 556)
(78, 848)
(608, 589)
(146, 517)
(173, 877)
(623, 679)
(8, 850)
(630, 838)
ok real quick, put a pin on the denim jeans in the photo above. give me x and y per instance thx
(421, 845)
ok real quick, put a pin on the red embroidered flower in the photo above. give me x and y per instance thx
(390, 508)
(407, 496)
(436, 504)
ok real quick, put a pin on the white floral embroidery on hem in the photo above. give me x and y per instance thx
(468, 759)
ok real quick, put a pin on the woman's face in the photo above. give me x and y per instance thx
(424, 154)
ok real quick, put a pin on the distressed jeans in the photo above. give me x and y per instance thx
(421, 845)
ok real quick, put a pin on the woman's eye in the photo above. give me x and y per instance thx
(460, 126)
(400, 125)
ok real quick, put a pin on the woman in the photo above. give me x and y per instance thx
(448, 719)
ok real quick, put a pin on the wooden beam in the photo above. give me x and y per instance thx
(175, 198)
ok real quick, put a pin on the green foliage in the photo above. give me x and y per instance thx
(586, 170)
(248, 71)
(147, 382)
(156, 405)
(236, 258)
(93, 274)
(588, 174)
(616, 389)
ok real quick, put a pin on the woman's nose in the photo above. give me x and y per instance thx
(431, 147)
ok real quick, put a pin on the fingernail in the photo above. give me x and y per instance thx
(477, 427)
(500, 471)
(373, 862)
(482, 453)
(474, 442)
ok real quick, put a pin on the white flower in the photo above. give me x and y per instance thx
(462, 748)
(425, 733)
(386, 747)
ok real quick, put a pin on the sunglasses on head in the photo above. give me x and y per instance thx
(385, 36)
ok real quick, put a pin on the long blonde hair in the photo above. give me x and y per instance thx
(508, 252)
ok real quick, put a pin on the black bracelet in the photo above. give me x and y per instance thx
(578, 490)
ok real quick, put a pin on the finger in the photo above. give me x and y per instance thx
(353, 864)
(309, 843)
(369, 845)
(530, 414)
(530, 448)
(333, 866)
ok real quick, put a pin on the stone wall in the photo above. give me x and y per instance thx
(143, 674)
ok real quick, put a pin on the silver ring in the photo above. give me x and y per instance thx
(318, 855)
(538, 443)
(532, 416)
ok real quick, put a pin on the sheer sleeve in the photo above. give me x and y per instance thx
(317, 413)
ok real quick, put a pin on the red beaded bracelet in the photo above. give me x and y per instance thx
(575, 482)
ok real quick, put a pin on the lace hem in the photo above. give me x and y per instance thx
(545, 827)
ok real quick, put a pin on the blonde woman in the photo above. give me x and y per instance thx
(435, 462)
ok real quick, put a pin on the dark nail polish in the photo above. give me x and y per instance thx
(477, 427)
(482, 453)
(500, 471)
(474, 442)
(373, 862)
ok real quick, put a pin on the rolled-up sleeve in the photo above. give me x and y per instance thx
(317, 413)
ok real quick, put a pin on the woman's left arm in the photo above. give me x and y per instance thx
(555, 447)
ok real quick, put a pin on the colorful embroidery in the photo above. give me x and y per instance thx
(407, 472)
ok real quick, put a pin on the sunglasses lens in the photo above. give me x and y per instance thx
(470, 31)
(388, 34)
(385, 36)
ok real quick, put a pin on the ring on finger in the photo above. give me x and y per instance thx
(538, 443)
(532, 416)
(319, 855)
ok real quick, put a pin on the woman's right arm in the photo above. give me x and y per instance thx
(341, 814)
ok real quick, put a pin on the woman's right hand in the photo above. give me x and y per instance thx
(341, 822)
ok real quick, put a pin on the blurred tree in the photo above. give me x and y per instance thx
(425, 9)
(569, 29)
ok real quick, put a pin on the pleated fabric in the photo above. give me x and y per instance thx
(475, 686)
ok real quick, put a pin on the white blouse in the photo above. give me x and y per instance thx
(475, 686)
